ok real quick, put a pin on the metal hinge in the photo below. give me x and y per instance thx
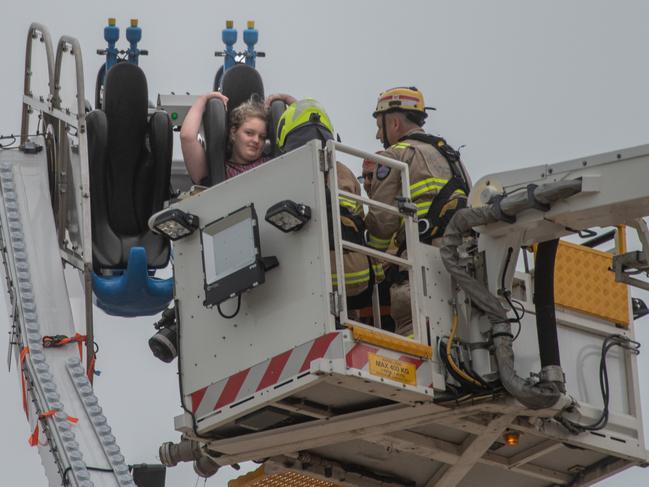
(335, 303)
(325, 164)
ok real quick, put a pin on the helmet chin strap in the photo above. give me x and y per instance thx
(384, 131)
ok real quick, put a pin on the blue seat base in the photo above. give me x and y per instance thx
(134, 292)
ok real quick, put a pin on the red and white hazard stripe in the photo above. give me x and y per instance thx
(273, 371)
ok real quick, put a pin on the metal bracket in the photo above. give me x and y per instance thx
(534, 203)
(624, 265)
(406, 206)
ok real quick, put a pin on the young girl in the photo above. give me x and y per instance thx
(248, 129)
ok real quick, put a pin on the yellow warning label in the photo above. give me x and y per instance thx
(392, 369)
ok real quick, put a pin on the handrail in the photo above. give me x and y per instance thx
(409, 223)
(33, 33)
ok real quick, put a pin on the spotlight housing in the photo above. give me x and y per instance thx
(174, 224)
(288, 216)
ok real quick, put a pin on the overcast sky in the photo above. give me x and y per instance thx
(517, 83)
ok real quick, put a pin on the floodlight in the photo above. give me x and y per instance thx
(232, 260)
(175, 224)
(288, 216)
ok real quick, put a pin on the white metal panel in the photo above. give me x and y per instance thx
(435, 303)
(580, 342)
(290, 308)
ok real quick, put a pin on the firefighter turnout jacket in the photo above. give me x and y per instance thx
(429, 171)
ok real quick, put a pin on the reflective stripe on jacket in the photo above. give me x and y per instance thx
(429, 172)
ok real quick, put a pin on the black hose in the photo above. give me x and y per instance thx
(546, 321)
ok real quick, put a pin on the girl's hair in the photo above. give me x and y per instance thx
(248, 109)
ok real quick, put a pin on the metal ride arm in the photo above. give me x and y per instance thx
(41, 232)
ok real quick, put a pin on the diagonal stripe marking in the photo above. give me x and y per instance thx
(231, 389)
(274, 370)
(318, 350)
(197, 397)
(357, 357)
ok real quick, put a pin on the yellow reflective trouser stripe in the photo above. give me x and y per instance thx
(378, 243)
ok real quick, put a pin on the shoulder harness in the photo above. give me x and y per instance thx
(442, 207)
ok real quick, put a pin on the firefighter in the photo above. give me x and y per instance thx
(439, 185)
(303, 121)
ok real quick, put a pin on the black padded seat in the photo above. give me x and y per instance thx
(130, 168)
(239, 83)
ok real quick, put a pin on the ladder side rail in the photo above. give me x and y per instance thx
(82, 188)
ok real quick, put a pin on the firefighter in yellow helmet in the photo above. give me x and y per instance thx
(439, 185)
(301, 122)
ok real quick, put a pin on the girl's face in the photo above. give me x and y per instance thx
(248, 141)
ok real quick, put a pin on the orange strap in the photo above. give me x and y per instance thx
(23, 354)
(367, 312)
(60, 340)
(33, 438)
(91, 368)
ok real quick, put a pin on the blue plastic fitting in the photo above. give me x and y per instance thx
(133, 36)
(111, 35)
(229, 36)
(250, 37)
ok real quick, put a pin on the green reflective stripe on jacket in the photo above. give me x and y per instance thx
(378, 243)
(359, 277)
(426, 181)
(422, 207)
(430, 184)
(400, 145)
(348, 203)
(426, 185)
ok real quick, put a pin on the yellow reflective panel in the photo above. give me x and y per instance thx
(584, 283)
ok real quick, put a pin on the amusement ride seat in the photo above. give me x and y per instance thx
(129, 156)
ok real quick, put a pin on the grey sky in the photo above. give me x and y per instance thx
(518, 83)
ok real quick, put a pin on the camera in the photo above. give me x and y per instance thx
(164, 344)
